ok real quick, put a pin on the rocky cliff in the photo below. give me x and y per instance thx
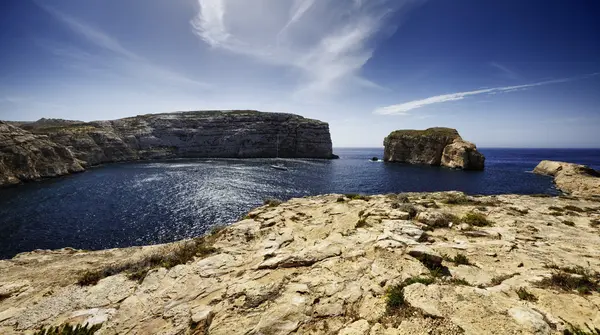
(234, 134)
(25, 156)
(571, 178)
(422, 263)
(433, 146)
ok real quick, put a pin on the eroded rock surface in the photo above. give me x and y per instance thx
(433, 146)
(571, 178)
(232, 134)
(25, 156)
(320, 269)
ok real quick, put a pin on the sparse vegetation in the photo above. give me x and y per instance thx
(576, 330)
(524, 295)
(395, 294)
(137, 270)
(272, 202)
(361, 213)
(458, 281)
(476, 219)
(355, 196)
(555, 209)
(569, 223)
(594, 223)
(556, 213)
(572, 279)
(540, 195)
(70, 330)
(459, 259)
(499, 279)
(340, 199)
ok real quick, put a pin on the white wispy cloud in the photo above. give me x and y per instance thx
(328, 41)
(505, 70)
(130, 62)
(403, 108)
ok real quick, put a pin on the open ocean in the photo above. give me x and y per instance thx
(140, 203)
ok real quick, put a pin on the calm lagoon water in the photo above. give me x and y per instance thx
(141, 203)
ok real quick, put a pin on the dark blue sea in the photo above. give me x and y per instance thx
(141, 203)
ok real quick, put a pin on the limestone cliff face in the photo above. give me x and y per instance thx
(571, 178)
(235, 134)
(433, 146)
(25, 156)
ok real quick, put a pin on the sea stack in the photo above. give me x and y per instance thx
(571, 178)
(434, 146)
(71, 145)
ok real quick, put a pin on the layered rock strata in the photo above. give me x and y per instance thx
(433, 146)
(571, 178)
(233, 134)
(333, 265)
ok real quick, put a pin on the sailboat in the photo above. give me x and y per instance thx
(278, 166)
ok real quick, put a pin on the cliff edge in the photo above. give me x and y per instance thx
(203, 134)
(25, 156)
(571, 178)
(433, 146)
(417, 263)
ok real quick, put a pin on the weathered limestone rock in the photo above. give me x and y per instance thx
(433, 146)
(315, 272)
(571, 178)
(59, 147)
(25, 156)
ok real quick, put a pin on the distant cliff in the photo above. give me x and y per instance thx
(571, 178)
(233, 134)
(433, 146)
(25, 156)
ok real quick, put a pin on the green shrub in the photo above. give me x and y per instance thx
(340, 199)
(476, 219)
(524, 295)
(361, 223)
(410, 209)
(355, 196)
(458, 281)
(569, 223)
(395, 294)
(69, 330)
(461, 259)
(573, 279)
(499, 279)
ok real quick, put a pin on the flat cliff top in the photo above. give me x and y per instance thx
(334, 264)
(56, 125)
(430, 132)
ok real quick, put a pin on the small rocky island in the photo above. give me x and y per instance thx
(434, 146)
(413, 263)
(50, 147)
(575, 179)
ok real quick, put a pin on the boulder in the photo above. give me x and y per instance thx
(571, 178)
(433, 146)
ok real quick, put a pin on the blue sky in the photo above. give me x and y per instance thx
(508, 73)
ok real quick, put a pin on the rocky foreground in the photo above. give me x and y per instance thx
(437, 263)
(50, 147)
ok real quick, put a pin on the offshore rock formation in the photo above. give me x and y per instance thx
(233, 134)
(25, 156)
(329, 264)
(433, 146)
(571, 178)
